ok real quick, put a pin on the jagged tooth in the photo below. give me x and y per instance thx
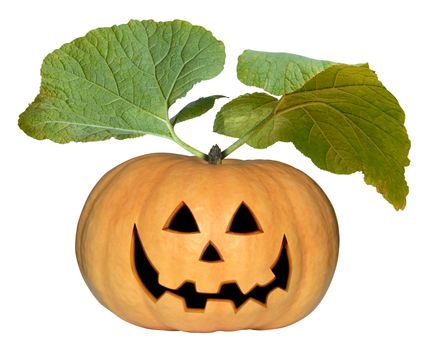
(261, 293)
(230, 288)
(171, 280)
(238, 304)
(207, 284)
(196, 304)
(231, 291)
(265, 278)
(193, 300)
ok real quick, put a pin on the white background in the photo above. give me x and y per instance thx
(381, 295)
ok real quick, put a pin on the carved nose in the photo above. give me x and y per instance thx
(210, 254)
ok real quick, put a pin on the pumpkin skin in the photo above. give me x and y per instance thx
(142, 194)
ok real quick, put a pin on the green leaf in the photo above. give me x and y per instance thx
(344, 119)
(195, 109)
(243, 113)
(278, 73)
(120, 81)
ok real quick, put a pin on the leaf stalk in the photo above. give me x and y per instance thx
(185, 146)
(243, 139)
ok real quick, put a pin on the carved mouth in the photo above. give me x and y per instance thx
(148, 275)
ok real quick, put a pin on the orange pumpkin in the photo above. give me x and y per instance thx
(171, 242)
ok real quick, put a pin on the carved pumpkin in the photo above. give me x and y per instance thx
(171, 242)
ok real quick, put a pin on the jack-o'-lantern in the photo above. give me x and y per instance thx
(171, 242)
(208, 243)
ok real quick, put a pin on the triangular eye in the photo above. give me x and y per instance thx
(244, 221)
(182, 221)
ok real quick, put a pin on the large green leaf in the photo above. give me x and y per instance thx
(195, 109)
(276, 72)
(343, 119)
(243, 113)
(120, 81)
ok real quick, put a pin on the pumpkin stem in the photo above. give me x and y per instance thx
(215, 155)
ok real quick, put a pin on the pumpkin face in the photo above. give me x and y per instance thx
(171, 242)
